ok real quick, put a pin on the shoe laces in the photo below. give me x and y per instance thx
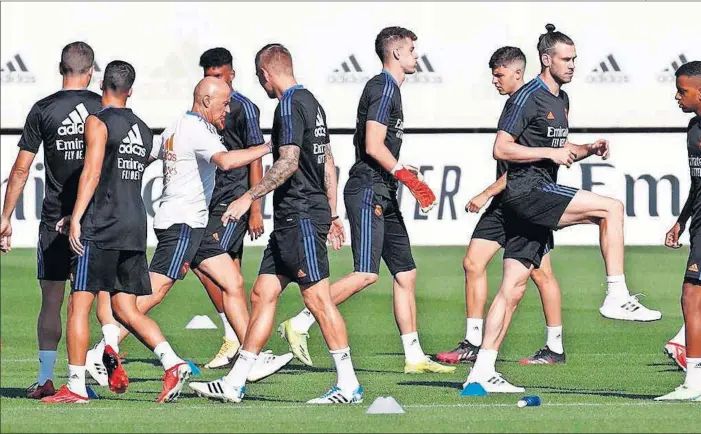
(331, 392)
(541, 354)
(225, 347)
(634, 299)
(33, 387)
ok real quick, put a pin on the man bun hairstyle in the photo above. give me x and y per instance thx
(548, 40)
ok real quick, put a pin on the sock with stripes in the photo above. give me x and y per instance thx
(347, 381)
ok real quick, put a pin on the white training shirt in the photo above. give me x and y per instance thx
(186, 149)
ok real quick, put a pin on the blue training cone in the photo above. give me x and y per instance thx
(195, 370)
(473, 389)
(91, 393)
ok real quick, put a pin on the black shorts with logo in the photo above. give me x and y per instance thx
(298, 252)
(694, 261)
(53, 255)
(218, 239)
(543, 205)
(110, 270)
(176, 249)
(377, 231)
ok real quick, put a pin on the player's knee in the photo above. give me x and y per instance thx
(513, 294)
(541, 277)
(367, 279)
(615, 210)
(472, 266)
(159, 291)
(265, 297)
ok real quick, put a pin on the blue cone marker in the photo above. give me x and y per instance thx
(473, 389)
(91, 393)
(195, 370)
(529, 401)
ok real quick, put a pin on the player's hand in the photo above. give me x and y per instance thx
(600, 148)
(255, 225)
(63, 225)
(563, 156)
(337, 235)
(5, 235)
(476, 203)
(237, 209)
(421, 191)
(74, 238)
(672, 238)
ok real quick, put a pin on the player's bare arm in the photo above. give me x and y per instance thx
(671, 239)
(240, 157)
(95, 141)
(15, 185)
(281, 171)
(375, 134)
(477, 203)
(506, 148)
(255, 219)
(336, 234)
(600, 147)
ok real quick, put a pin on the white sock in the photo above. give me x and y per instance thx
(238, 374)
(303, 321)
(347, 381)
(680, 337)
(100, 348)
(616, 286)
(412, 348)
(473, 332)
(229, 332)
(486, 361)
(553, 339)
(166, 355)
(76, 380)
(47, 361)
(111, 336)
(693, 373)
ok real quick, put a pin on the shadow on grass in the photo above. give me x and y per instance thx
(13, 392)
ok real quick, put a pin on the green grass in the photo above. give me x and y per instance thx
(613, 370)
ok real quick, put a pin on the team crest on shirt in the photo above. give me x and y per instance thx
(378, 210)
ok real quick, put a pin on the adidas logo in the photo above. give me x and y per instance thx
(425, 72)
(301, 274)
(667, 74)
(16, 71)
(608, 71)
(550, 116)
(694, 268)
(349, 72)
(132, 143)
(320, 130)
(345, 356)
(75, 122)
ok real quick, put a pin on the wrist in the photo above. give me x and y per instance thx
(334, 217)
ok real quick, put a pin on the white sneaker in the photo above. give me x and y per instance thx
(220, 390)
(95, 367)
(492, 382)
(267, 364)
(627, 309)
(681, 393)
(336, 395)
(226, 354)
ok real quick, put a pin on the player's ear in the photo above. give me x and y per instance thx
(130, 92)
(546, 59)
(101, 87)
(206, 101)
(233, 75)
(395, 54)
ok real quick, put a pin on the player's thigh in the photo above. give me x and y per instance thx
(132, 273)
(95, 270)
(176, 249)
(53, 255)
(366, 220)
(222, 271)
(544, 205)
(587, 207)
(267, 288)
(515, 277)
(396, 249)
(479, 252)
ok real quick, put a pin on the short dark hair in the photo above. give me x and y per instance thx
(216, 57)
(76, 58)
(274, 53)
(505, 56)
(548, 40)
(119, 76)
(389, 35)
(691, 69)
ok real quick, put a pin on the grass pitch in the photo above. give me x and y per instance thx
(613, 370)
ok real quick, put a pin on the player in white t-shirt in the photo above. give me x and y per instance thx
(191, 151)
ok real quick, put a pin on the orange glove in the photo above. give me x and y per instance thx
(409, 176)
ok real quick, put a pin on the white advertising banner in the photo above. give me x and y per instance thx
(647, 172)
(626, 54)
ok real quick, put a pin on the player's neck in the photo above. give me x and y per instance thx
(75, 83)
(396, 72)
(520, 85)
(283, 84)
(550, 82)
(111, 100)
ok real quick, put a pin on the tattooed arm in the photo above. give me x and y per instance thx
(282, 169)
(330, 181)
